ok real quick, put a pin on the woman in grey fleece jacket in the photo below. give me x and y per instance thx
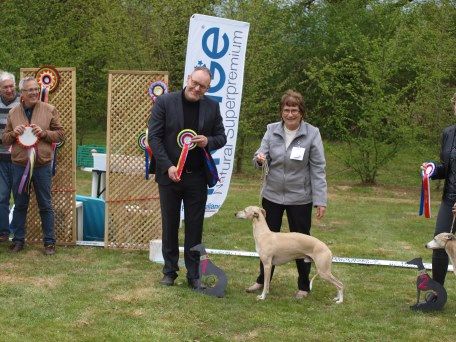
(296, 180)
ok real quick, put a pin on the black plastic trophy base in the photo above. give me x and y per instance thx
(435, 294)
(213, 280)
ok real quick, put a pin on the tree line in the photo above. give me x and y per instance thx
(374, 73)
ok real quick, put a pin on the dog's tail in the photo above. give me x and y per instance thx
(311, 281)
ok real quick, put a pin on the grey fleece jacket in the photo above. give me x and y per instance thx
(294, 182)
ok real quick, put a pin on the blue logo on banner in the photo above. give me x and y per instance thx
(214, 53)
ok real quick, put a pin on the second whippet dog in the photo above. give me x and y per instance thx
(279, 248)
(446, 241)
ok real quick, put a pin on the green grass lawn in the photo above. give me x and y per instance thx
(95, 294)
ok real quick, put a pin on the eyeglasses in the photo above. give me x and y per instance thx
(31, 90)
(290, 111)
(195, 84)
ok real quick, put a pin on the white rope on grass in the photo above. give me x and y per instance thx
(341, 260)
(90, 243)
(156, 256)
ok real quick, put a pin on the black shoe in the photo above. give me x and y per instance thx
(16, 247)
(193, 283)
(49, 249)
(167, 280)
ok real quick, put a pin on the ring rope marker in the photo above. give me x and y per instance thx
(184, 140)
(29, 141)
(425, 199)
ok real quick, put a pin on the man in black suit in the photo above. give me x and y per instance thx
(172, 113)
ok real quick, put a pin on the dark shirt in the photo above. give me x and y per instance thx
(28, 113)
(194, 162)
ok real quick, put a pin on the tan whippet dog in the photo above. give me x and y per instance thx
(446, 241)
(279, 248)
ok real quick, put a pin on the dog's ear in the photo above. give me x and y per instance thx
(263, 212)
(450, 237)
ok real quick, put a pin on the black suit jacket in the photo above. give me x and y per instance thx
(446, 144)
(167, 120)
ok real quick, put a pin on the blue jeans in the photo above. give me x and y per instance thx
(6, 181)
(41, 180)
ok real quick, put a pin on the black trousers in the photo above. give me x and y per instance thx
(299, 220)
(439, 256)
(192, 190)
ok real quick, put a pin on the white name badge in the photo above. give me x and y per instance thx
(297, 153)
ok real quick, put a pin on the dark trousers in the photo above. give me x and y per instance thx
(192, 190)
(439, 256)
(299, 220)
(42, 181)
(6, 183)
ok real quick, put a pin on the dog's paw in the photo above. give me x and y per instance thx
(261, 297)
(338, 300)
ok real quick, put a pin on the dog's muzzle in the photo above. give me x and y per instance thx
(240, 214)
(432, 245)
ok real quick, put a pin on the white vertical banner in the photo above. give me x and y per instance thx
(220, 45)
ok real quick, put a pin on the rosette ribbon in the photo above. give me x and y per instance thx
(55, 148)
(45, 81)
(29, 141)
(184, 140)
(157, 89)
(48, 77)
(425, 200)
(212, 169)
(44, 95)
(144, 146)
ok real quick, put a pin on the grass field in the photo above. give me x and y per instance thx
(89, 294)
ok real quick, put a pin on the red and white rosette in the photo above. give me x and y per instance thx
(28, 140)
(425, 201)
(184, 140)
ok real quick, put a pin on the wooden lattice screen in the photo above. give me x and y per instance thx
(64, 181)
(132, 203)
